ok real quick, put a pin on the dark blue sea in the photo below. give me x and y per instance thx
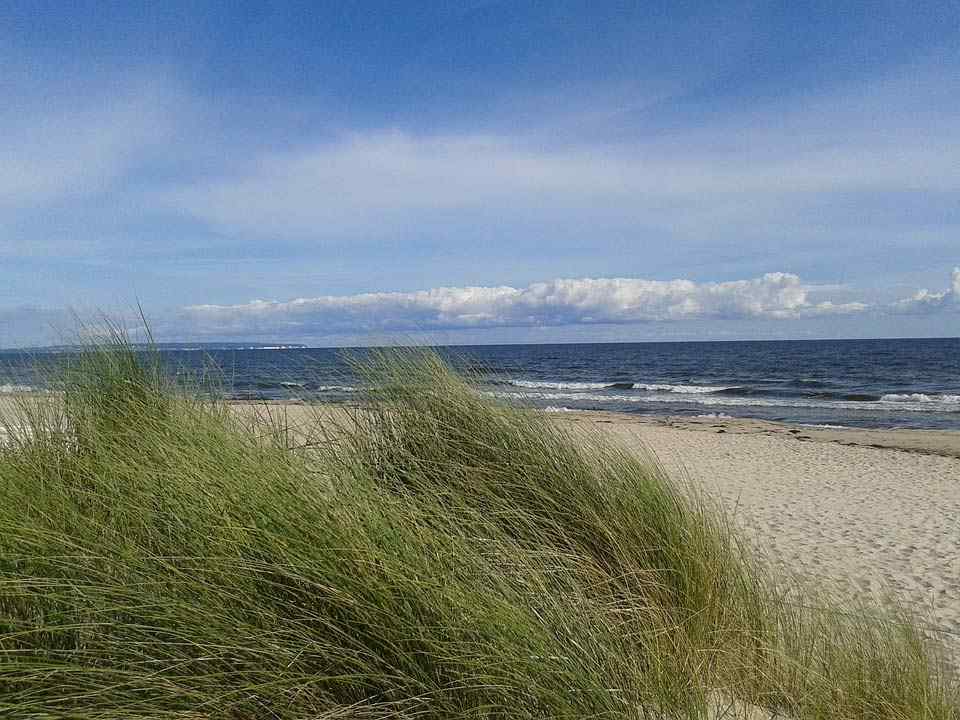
(852, 383)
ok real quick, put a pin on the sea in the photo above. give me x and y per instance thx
(844, 383)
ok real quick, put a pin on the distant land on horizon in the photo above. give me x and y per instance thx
(242, 345)
(181, 346)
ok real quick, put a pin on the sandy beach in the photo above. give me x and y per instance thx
(861, 512)
(480, 359)
(864, 513)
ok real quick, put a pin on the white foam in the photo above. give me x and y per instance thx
(725, 401)
(557, 409)
(319, 388)
(715, 416)
(544, 385)
(682, 389)
(11, 389)
(649, 387)
(921, 398)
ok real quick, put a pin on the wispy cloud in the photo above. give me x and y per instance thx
(366, 183)
(62, 146)
(166, 184)
(554, 303)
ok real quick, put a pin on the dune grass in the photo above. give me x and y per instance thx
(436, 554)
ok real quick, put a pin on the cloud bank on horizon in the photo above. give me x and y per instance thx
(774, 296)
(199, 155)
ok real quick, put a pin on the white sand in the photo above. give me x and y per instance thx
(862, 520)
(826, 506)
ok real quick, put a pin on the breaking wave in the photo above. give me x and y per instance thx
(554, 397)
(921, 398)
(794, 393)
(309, 386)
(13, 389)
(544, 385)
(649, 387)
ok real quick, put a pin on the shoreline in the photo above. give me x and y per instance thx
(854, 514)
(926, 441)
(944, 443)
(857, 513)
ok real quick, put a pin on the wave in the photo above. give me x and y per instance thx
(336, 388)
(681, 389)
(14, 389)
(649, 387)
(307, 386)
(727, 401)
(749, 391)
(544, 385)
(921, 398)
(807, 383)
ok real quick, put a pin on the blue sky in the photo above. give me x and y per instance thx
(481, 171)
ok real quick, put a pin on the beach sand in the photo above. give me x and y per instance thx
(866, 514)
(872, 513)
(863, 513)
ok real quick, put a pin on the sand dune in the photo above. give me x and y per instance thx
(863, 520)
(863, 512)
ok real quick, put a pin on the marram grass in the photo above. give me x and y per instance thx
(434, 555)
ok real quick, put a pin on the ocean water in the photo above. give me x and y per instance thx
(852, 383)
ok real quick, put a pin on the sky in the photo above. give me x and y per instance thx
(342, 173)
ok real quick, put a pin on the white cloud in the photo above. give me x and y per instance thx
(362, 182)
(924, 301)
(553, 303)
(368, 183)
(753, 170)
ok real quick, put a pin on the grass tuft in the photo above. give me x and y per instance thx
(437, 555)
